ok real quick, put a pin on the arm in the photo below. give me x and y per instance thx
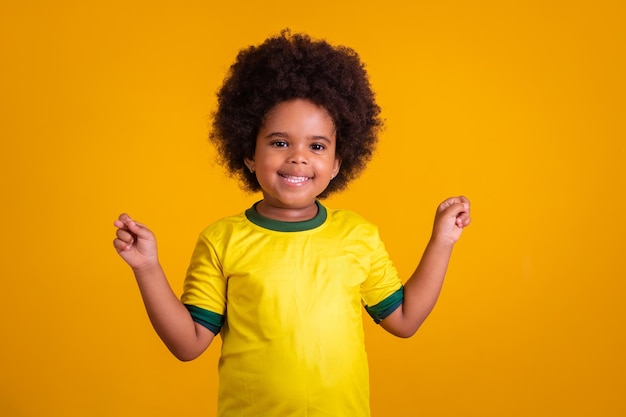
(423, 287)
(136, 244)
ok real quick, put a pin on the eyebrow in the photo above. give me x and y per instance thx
(276, 134)
(286, 135)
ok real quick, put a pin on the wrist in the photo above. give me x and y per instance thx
(441, 242)
(147, 270)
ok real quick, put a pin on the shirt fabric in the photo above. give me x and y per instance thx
(288, 298)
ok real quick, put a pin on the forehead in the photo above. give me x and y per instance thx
(299, 115)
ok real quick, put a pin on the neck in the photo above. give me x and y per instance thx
(286, 214)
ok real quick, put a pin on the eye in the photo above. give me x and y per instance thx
(279, 144)
(318, 147)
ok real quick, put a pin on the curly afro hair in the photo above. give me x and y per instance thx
(291, 66)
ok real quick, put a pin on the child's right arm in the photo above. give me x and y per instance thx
(136, 244)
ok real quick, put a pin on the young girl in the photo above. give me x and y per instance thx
(286, 280)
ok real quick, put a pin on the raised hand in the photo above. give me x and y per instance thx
(135, 243)
(453, 215)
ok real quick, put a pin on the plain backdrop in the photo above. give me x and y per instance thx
(105, 108)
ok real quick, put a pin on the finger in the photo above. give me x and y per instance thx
(452, 201)
(463, 220)
(123, 217)
(125, 236)
(460, 200)
(135, 227)
(466, 203)
(464, 199)
(455, 209)
(122, 221)
(120, 245)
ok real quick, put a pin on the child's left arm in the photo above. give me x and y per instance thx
(422, 289)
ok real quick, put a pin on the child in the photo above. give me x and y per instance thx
(285, 281)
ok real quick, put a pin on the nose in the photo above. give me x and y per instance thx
(298, 155)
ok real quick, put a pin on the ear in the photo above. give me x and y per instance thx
(249, 163)
(336, 166)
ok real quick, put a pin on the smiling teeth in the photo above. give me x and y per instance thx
(295, 180)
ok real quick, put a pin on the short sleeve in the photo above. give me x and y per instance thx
(382, 292)
(204, 291)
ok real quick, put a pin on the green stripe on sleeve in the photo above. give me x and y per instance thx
(206, 318)
(383, 309)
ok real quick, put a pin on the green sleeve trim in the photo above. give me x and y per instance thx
(383, 309)
(206, 318)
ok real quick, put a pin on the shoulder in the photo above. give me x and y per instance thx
(224, 226)
(346, 216)
(349, 220)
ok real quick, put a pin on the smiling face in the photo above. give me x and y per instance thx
(294, 159)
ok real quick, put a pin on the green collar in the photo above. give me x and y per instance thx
(281, 226)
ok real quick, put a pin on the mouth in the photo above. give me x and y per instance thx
(293, 179)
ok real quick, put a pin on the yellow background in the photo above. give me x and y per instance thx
(104, 107)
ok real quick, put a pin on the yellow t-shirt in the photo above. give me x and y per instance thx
(290, 298)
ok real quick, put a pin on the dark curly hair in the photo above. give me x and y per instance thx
(291, 66)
